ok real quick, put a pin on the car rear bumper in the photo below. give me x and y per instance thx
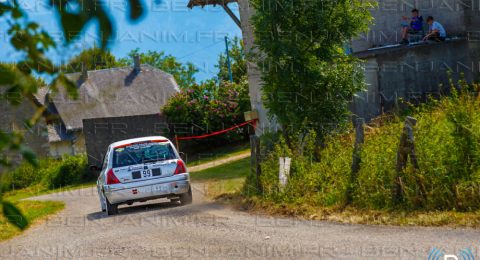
(145, 190)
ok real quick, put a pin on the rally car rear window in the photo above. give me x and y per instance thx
(140, 153)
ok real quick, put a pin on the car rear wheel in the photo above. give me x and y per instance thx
(187, 198)
(112, 209)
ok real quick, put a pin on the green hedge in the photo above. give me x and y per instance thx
(447, 140)
(50, 173)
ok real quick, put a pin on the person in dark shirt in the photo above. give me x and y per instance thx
(414, 26)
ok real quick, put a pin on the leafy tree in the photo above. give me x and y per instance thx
(18, 81)
(308, 79)
(209, 107)
(183, 74)
(237, 61)
(94, 59)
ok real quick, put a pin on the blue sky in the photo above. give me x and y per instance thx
(192, 35)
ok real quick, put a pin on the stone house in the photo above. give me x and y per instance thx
(12, 118)
(109, 93)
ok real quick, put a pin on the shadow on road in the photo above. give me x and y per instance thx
(126, 210)
(162, 207)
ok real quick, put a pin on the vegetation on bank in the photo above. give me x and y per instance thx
(32, 212)
(227, 184)
(447, 143)
(49, 174)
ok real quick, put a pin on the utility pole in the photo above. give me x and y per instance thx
(228, 60)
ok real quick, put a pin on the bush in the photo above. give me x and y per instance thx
(305, 184)
(447, 142)
(51, 173)
(71, 170)
(24, 175)
(208, 108)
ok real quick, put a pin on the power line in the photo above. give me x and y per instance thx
(194, 52)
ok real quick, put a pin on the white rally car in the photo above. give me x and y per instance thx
(141, 169)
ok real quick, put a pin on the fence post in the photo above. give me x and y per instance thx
(255, 159)
(176, 143)
(284, 171)
(356, 157)
(406, 149)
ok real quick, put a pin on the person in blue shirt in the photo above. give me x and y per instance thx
(436, 32)
(414, 26)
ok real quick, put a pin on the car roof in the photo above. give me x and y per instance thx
(136, 140)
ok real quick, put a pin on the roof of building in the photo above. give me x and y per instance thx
(41, 95)
(203, 3)
(114, 93)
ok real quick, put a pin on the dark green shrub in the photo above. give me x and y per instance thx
(50, 172)
(71, 170)
(24, 175)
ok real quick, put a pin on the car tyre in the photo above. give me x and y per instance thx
(187, 198)
(112, 209)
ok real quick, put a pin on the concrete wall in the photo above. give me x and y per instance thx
(389, 72)
(100, 133)
(457, 16)
(413, 73)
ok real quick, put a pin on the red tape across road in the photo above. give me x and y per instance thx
(252, 122)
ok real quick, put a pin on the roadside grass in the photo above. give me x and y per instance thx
(352, 215)
(34, 212)
(224, 180)
(225, 184)
(217, 154)
(40, 189)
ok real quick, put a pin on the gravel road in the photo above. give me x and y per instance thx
(161, 230)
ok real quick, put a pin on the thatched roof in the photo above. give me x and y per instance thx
(114, 93)
(202, 3)
(41, 96)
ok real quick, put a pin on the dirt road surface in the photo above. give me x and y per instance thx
(205, 230)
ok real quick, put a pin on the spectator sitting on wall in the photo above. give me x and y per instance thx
(414, 26)
(436, 32)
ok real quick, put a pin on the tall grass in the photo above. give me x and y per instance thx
(447, 143)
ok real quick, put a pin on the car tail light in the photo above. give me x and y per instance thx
(111, 178)
(180, 167)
